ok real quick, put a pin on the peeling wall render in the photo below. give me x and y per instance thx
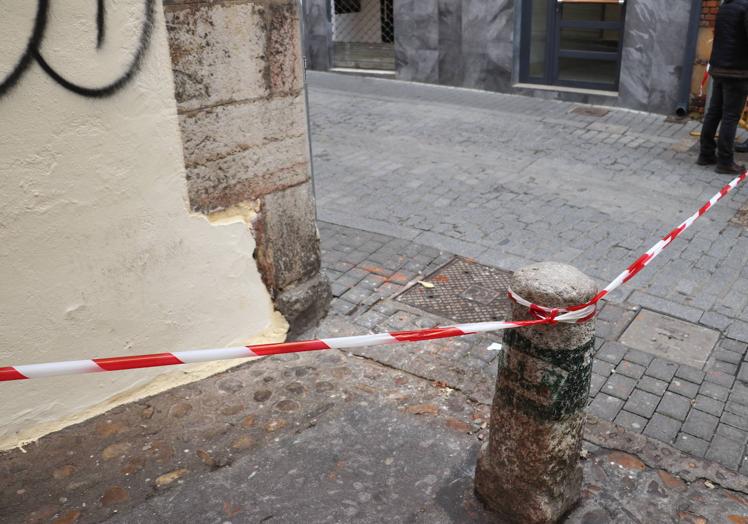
(239, 89)
(100, 254)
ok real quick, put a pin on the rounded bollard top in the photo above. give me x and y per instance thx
(553, 284)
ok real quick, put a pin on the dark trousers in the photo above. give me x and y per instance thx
(726, 106)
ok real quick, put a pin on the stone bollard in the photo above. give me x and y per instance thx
(528, 470)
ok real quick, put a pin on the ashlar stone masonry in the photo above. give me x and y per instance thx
(239, 88)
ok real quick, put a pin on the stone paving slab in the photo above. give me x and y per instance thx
(671, 338)
(679, 404)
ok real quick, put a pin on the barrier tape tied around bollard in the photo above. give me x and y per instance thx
(542, 314)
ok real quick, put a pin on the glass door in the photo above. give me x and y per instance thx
(574, 43)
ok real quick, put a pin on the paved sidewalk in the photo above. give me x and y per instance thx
(510, 180)
(408, 175)
(327, 437)
(704, 413)
(371, 435)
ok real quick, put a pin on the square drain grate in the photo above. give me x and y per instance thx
(463, 291)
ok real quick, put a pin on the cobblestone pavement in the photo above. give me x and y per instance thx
(327, 437)
(510, 180)
(408, 175)
(704, 413)
(377, 434)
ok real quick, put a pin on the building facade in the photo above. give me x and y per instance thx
(637, 54)
(155, 194)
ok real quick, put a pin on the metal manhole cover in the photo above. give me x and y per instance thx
(463, 291)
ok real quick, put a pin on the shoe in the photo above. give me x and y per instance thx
(706, 160)
(732, 169)
(741, 147)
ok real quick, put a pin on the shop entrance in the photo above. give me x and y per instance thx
(572, 43)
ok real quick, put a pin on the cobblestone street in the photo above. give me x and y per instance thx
(410, 175)
(511, 180)
(411, 181)
(374, 261)
(329, 437)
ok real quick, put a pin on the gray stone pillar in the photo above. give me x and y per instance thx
(318, 34)
(528, 470)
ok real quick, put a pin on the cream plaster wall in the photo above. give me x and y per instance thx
(99, 255)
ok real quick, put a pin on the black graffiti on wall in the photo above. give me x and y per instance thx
(100, 23)
(32, 53)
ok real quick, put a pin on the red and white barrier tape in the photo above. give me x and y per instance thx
(704, 80)
(640, 263)
(580, 313)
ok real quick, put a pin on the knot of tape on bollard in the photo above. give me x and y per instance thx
(570, 315)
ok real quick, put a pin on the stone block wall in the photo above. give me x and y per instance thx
(239, 88)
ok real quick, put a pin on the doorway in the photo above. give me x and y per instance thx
(572, 43)
(363, 34)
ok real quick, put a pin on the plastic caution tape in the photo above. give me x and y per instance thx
(544, 315)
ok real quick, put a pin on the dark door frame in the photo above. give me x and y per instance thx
(553, 51)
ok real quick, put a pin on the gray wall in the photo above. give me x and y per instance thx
(653, 54)
(464, 43)
(470, 43)
(317, 34)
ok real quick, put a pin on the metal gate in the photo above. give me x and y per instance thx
(363, 34)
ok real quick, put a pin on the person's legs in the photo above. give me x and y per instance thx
(733, 101)
(712, 118)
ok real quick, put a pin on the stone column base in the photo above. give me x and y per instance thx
(304, 304)
(522, 504)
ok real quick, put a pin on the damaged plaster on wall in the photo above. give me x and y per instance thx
(241, 105)
(99, 256)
